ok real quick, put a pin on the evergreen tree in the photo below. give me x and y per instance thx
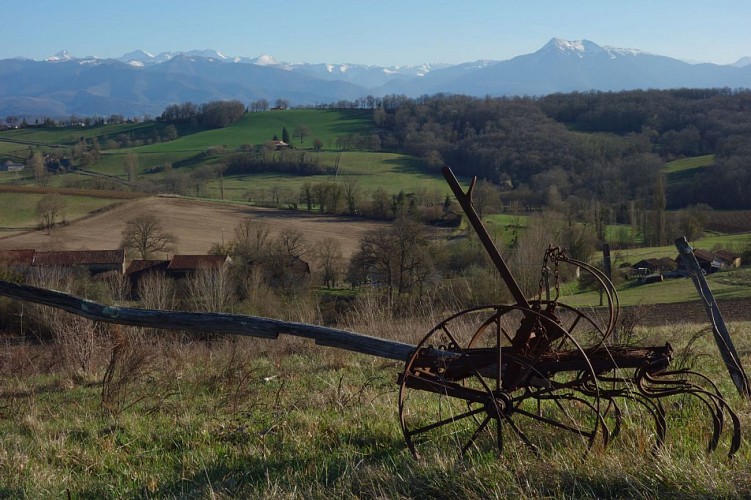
(285, 135)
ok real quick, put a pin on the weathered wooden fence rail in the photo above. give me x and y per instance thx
(235, 324)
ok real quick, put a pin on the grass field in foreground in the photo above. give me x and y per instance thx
(285, 419)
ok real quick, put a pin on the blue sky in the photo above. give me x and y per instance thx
(383, 32)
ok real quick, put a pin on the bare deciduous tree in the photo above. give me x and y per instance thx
(49, 208)
(302, 131)
(291, 242)
(351, 193)
(251, 239)
(36, 162)
(397, 257)
(210, 289)
(144, 235)
(329, 255)
(156, 291)
(131, 166)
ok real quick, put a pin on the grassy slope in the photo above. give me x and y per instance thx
(257, 419)
(389, 171)
(253, 128)
(18, 211)
(688, 164)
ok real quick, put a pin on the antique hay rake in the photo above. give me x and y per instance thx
(524, 376)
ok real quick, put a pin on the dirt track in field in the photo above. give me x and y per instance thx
(196, 224)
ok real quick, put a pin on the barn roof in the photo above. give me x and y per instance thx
(194, 262)
(726, 255)
(703, 255)
(79, 257)
(24, 257)
(140, 265)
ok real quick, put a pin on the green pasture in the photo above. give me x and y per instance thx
(257, 128)
(733, 242)
(253, 129)
(734, 284)
(68, 136)
(18, 210)
(15, 177)
(388, 171)
(688, 164)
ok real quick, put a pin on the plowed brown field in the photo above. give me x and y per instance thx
(196, 224)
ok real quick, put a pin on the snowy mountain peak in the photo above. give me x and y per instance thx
(207, 53)
(578, 48)
(63, 55)
(137, 55)
(265, 60)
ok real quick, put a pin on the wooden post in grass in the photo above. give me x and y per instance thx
(721, 334)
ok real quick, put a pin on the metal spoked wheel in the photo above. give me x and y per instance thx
(468, 388)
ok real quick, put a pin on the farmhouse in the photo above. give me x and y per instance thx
(93, 261)
(182, 265)
(725, 259)
(650, 266)
(10, 166)
(710, 262)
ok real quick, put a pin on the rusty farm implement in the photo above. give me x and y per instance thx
(518, 377)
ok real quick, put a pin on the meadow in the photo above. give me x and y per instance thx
(240, 418)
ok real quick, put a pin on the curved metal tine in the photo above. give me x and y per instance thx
(707, 380)
(658, 415)
(612, 295)
(716, 413)
(609, 288)
(721, 407)
(687, 389)
(605, 434)
(617, 415)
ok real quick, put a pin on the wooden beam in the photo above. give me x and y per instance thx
(234, 324)
(721, 334)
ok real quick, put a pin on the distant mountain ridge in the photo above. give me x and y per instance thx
(139, 83)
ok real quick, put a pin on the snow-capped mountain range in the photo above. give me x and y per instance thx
(142, 83)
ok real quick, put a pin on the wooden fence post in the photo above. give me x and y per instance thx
(721, 334)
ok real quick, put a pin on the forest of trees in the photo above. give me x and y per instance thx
(565, 148)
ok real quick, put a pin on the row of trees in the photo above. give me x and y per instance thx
(213, 114)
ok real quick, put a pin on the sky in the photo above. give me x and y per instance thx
(380, 32)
